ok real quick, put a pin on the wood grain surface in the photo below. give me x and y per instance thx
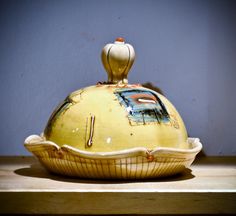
(209, 187)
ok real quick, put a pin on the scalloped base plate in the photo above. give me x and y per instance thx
(136, 163)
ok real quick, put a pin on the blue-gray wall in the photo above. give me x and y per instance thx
(187, 48)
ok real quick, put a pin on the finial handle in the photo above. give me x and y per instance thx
(117, 59)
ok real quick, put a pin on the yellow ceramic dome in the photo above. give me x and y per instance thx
(115, 129)
(107, 117)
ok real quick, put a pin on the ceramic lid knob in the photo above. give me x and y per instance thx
(117, 59)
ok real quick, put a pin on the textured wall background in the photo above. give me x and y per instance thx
(187, 48)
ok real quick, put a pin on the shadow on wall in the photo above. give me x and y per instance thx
(152, 87)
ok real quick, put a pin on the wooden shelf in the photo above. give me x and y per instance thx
(27, 188)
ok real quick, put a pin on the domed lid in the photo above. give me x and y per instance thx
(115, 115)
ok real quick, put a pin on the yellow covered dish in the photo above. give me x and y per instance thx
(115, 129)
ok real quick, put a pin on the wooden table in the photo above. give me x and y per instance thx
(209, 187)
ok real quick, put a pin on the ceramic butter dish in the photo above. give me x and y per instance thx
(115, 130)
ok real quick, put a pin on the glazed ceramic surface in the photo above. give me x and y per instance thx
(136, 163)
(117, 59)
(115, 129)
(109, 118)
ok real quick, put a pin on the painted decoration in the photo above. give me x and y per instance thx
(143, 106)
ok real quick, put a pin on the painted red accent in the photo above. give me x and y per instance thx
(135, 97)
(150, 157)
(120, 39)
